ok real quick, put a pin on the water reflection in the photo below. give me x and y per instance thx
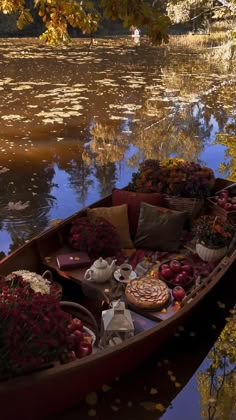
(75, 122)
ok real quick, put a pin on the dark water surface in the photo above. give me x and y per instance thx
(74, 123)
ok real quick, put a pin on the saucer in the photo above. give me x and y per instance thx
(117, 276)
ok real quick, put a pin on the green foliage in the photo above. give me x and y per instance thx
(58, 14)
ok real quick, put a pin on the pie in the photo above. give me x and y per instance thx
(147, 293)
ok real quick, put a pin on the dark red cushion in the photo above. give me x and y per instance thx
(133, 201)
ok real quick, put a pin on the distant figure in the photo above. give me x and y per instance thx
(135, 34)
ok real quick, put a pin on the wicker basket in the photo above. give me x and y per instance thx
(55, 288)
(216, 210)
(79, 311)
(192, 206)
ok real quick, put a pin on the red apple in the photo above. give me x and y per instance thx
(75, 324)
(224, 193)
(79, 336)
(233, 208)
(73, 355)
(178, 293)
(180, 278)
(167, 273)
(228, 206)
(221, 202)
(175, 266)
(164, 266)
(187, 268)
(187, 279)
(84, 349)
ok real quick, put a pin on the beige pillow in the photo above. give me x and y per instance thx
(118, 217)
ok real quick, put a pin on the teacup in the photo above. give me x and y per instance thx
(125, 270)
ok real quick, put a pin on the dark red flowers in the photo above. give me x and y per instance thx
(33, 328)
(97, 237)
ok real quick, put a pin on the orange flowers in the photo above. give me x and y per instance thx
(214, 232)
(173, 176)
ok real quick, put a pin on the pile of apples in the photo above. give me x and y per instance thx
(79, 341)
(177, 272)
(224, 200)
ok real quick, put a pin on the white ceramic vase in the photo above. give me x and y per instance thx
(210, 254)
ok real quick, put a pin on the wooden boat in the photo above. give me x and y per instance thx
(49, 391)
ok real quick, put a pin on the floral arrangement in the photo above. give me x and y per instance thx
(33, 329)
(35, 281)
(97, 237)
(174, 177)
(213, 231)
(38, 283)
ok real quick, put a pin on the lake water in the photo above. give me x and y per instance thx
(76, 121)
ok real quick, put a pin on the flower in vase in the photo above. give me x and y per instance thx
(213, 231)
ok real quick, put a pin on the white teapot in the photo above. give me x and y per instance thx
(100, 271)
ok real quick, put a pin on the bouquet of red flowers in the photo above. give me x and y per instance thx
(33, 328)
(97, 237)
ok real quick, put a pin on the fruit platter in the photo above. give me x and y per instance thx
(177, 272)
(224, 203)
(80, 341)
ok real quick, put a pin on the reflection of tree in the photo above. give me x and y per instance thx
(107, 144)
(80, 179)
(228, 139)
(177, 133)
(217, 384)
(107, 147)
(106, 176)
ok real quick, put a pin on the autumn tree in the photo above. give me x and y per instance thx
(58, 15)
(181, 11)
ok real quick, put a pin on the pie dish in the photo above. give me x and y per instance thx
(147, 293)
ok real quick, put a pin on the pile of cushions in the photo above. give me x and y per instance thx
(137, 220)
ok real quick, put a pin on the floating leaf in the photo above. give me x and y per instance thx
(153, 391)
(18, 205)
(3, 170)
(221, 305)
(148, 405)
(55, 222)
(92, 412)
(106, 388)
(160, 407)
(91, 398)
(114, 408)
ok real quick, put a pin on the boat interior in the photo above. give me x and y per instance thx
(91, 297)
